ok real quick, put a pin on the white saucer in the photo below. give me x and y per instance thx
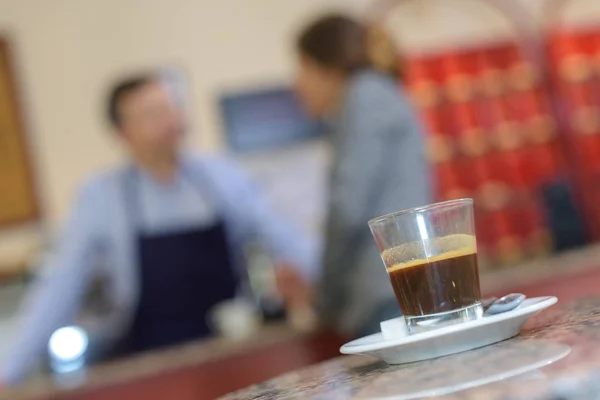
(449, 340)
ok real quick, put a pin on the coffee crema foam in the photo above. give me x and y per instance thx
(458, 245)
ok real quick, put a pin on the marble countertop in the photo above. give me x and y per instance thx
(556, 356)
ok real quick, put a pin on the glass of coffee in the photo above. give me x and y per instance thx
(431, 258)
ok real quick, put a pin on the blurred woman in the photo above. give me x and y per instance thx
(348, 73)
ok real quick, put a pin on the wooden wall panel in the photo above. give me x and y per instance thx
(18, 202)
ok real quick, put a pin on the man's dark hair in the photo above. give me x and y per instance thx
(120, 90)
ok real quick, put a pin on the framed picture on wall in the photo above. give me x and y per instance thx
(18, 200)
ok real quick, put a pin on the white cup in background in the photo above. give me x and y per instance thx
(234, 319)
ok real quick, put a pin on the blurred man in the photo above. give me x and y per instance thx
(167, 230)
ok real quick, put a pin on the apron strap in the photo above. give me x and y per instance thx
(199, 180)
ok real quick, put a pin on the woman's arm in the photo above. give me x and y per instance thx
(359, 147)
(375, 143)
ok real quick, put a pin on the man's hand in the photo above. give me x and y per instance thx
(297, 296)
(292, 287)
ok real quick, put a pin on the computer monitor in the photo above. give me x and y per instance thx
(265, 119)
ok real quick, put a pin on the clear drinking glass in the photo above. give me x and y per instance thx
(430, 255)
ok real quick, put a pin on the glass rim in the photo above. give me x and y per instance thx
(416, 210)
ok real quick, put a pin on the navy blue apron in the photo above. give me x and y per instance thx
(183, 274)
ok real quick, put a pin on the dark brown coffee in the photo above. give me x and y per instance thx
(442, 283)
